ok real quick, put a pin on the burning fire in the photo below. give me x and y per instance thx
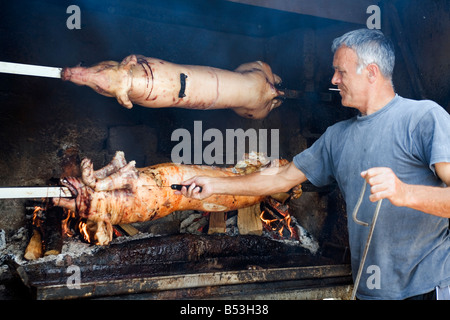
(65, 225)
(71, 225)
(276, 219)
(82, 227)
(37, 216)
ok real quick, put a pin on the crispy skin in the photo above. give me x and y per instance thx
(130, 194)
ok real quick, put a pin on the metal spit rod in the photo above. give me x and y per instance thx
(30, 70)
(34, 192)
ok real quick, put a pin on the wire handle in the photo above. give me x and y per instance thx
(358, 204)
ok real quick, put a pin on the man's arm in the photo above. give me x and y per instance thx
(266, 182)
(433, 200)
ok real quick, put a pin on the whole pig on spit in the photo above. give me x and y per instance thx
(119, 193)
(249, 90)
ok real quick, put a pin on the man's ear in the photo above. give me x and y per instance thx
(373, 72)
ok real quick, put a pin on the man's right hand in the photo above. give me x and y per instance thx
(190, 188)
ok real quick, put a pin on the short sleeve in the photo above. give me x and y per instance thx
(432, 136)
(315, 162)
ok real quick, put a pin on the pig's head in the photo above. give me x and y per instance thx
(81, 197)
(99, 227)
(109, 78)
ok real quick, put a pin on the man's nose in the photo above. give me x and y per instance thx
(336, 79)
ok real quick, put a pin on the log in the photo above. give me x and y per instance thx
(217, 222)
(169, 255)
(129, 229)
(51, 231)
(249, 221)
(34, 248)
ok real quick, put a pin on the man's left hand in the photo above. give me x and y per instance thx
(385, 185)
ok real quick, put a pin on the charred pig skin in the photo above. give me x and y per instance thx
(119, 193)
(249, 90)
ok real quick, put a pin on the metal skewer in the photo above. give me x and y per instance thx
(30, 70)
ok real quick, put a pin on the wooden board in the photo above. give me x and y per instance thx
(249, 221)
(217, 222)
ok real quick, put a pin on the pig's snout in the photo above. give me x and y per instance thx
(66, 74)
(77, 75)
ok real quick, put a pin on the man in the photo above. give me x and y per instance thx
(401, 147)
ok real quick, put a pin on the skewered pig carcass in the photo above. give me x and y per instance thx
(249, 90)
(119, 193)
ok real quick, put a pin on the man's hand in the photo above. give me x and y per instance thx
(385, 185)
(193, 191)
(433, 200)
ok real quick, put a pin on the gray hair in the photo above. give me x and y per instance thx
(371, 46)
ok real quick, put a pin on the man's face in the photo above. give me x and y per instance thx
(353, 85)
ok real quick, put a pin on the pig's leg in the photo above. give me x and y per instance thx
(104, 233)
(116, 163)
(122, 179)
(90, 177)
(100, 232)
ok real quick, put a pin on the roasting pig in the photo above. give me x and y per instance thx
(119, 193)
(249, 90)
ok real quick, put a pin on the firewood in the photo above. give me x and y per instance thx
(249, 221)
(34, 248)
(129, 229)
(51, 231)
(217, 222)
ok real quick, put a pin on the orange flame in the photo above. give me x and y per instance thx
(65, 224)
(72, 225)
(278, 225)
(82, 227)
(36, 219)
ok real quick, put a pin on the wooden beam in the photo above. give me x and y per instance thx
(249, 221)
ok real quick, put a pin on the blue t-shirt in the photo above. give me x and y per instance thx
(410, 250)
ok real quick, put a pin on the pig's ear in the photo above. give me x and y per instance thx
(129, 61)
